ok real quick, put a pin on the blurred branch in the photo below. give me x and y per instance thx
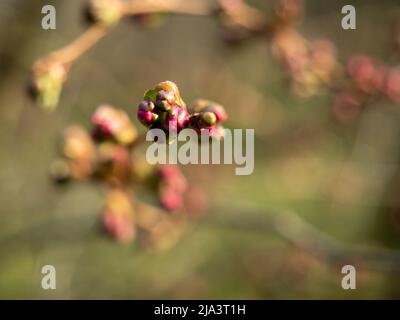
(79, 46)
(300, 233)
(135, 7)
(91, 36)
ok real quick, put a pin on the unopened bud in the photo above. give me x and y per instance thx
(209, 118)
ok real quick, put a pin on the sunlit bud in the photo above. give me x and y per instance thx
(165, 100)
(47, 82)
(209, 118)
(203, 105)
(171, 86)
(104, 12)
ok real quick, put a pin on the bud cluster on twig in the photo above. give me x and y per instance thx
(106, 154)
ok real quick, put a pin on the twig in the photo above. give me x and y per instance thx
(136, 7)
(295, 230)
(83, 43)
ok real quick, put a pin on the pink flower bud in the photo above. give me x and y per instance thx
(146, 113)
(391, 86)
(176, 119)
(364, 72)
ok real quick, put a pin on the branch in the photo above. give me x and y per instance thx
(298, 232)
(136, 7)
(79, 46)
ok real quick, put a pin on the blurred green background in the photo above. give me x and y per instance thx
(342, 179)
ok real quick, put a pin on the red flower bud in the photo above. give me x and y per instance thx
(146, 113)
(176, 119)
(165, 100)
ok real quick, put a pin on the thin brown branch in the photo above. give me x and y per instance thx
(135, 7)
(300, 233)
(79, 46)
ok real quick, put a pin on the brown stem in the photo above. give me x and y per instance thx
(300, 233)
(136, 7)
(79, 46)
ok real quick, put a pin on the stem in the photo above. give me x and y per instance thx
(300, 233)
(136, 7)
(79, 46)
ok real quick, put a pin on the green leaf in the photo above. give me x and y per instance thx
(151, 95)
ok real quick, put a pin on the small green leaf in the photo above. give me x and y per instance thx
(151, 95)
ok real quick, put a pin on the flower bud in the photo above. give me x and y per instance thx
(171, 86)
(47, 83)
(176, 119)
(165, 100)
(79, 151)
(118, 217)
(146, 113)
(391, 86)
(209, 118)
(202, 105)
(364, 72)
(172, 186)
(104, 12)
(111, 123)
(288, 12)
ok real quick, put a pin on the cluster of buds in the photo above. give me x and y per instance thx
(48, 77)
(208, 117)
(113, 124)
(106, 154)
(366, 77)
(105, 13)
(310, 65)
(164, 108)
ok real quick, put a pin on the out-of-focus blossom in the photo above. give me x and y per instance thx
(239, 21)
(79, 153)
(367, 75)
(172, 186)
(48, 77)
(288, 12)
(112, 123)
(347, 105)
(118, 216)
(309, 65)
(391, 87)
(104, 12)
(113, 163)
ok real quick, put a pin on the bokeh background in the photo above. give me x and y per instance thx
(342, 181)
